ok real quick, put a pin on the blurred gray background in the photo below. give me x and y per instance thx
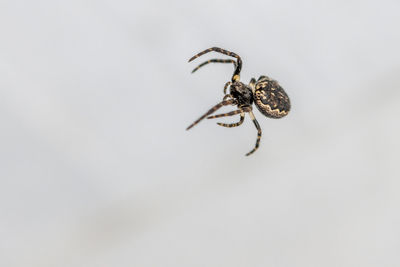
(97, 169)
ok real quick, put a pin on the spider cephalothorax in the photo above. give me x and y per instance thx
(269, 97)
(242, 93)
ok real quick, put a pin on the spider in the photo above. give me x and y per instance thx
(268, 96)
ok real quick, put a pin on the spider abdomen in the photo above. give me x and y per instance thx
(270, 98)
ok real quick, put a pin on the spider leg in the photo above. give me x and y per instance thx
(226, 86)
(230, 125)
(232, 113)
(212, 110)
(216, 60)
(227, 96)
(258, 133)
(236, 73)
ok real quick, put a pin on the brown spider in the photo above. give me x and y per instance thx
(269, 97)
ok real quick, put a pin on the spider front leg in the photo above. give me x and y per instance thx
(258, 133)
(215, 60)
(236, 73)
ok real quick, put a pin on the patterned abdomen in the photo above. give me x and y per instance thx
(270, 98)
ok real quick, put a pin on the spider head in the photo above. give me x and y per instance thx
(242, 93)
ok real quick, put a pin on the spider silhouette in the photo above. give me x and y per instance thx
(268, 96)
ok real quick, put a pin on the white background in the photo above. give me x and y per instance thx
(97, 169)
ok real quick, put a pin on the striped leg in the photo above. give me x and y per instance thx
(235, 76)
(227, 97)
(230, 125)
(216, 60)
(232, 113)
(258, 133)
(226, 86)
(212, 110)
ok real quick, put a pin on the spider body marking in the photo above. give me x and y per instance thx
(268, 96)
